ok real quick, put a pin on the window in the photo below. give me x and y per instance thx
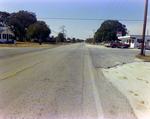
(0, 36)
(139, 40)
(127, 41)
(10, 36)
(132, 41)
(4, 36)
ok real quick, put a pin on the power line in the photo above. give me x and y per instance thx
(116, 8)
(54, 31)
(108, 8)
(69, 18)
(88, 19)
(121, 5)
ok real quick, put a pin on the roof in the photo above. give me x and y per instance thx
(131, 37)
(5, 28)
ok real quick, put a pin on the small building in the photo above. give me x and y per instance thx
(134, 40)
(6, 35)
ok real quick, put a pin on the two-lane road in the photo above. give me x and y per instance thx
(47, 84)
(57, 83)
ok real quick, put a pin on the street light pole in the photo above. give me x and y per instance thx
(144, 28)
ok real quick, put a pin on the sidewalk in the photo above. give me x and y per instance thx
(133, 80)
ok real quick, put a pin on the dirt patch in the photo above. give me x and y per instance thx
(145, 58)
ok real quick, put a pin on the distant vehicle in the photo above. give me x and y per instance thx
(145, 46)
(118, 44)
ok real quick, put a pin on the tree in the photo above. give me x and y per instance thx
(19, 22)
(60, 37)
(78, 40)
(73, 40)
(53, 39)
(3, 18)
(38, 30)
(108, 31)
(68, 39)
(89, 40)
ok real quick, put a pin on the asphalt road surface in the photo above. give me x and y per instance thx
(64, 82)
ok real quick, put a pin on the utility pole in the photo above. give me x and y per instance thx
(63, 30)
(65, 36)
(93, 36)
(93, 32)
(144, 28)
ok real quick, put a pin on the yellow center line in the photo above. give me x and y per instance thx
(13, 73)
(20, 71)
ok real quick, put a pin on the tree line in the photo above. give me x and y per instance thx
(108, 31)
(24, 24)
(61, 38)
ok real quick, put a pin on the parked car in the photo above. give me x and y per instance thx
(106, 44)
(145, 46)
(118, 44)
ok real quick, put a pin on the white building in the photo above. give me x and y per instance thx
(6, 34)
(134, 40)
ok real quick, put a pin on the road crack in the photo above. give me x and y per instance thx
(114, 66)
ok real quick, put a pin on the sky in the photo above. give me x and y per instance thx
(82, 18)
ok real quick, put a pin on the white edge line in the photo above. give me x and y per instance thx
(96, 94)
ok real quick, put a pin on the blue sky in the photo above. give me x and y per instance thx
(121, 10)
